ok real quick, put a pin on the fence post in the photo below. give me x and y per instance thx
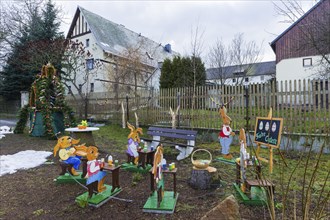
(127, 110)
(247, 118)
(178, 98)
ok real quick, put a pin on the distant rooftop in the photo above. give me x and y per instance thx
(257, 69)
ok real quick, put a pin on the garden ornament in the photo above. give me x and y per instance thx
(69, 153)
(226, 134)
(174, 115)
(133, 142)
(157, 171)
(242, 160)
(95, 173)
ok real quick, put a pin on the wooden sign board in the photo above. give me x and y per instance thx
(268, 131)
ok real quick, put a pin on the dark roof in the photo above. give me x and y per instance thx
(115, 38)
(272, 44)
(256, 69)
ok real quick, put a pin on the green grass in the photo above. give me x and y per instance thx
(289, 180)
(295, 120)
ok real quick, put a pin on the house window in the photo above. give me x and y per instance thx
(87, 42)
(246, 79)
(69, 90)
(234, 80)
(262, 78)
(80, 88)
(307, 62)
(90, 64)
(92, 87)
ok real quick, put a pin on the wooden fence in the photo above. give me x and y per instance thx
(303, 104)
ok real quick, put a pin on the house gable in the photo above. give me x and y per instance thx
(79, 26)
(114, 45)
(292, 44)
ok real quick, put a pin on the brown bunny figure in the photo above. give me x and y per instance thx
(226, 133)
(96, 176)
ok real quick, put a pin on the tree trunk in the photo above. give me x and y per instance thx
(204, 179)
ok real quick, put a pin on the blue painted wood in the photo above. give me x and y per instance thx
(173, 134)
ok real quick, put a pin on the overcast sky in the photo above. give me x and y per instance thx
(172, 21)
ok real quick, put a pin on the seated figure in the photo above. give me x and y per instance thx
(95, 174)
(70, 154)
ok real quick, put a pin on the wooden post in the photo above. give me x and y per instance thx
(270, 159)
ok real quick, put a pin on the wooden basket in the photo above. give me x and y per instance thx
(201, 164)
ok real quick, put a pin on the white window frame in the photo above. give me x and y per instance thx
(307, 62)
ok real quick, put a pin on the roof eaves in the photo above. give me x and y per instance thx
(272, 44)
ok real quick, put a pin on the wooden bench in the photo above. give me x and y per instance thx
(173, 134)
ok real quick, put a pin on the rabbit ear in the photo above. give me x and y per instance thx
(56, 148)
(171, 111)
(131, 127)
(177, 109)
(139, 130)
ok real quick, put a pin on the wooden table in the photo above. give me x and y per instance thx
(85, 135)
(146, 157)
(257, 182)
(167, 171)
(115, 175)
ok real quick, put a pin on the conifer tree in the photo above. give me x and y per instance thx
(39, 42)
(179, 73)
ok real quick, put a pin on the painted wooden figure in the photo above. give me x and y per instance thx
(70, 154)
(95, 173)
(133, 142)
(226, 134)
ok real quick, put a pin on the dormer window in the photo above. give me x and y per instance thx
(87, 42)
(238, 73)
(246, 79)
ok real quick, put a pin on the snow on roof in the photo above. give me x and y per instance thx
(115, 38)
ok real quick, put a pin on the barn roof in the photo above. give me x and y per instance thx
(272, 44)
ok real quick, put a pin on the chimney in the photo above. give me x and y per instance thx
(168, 48)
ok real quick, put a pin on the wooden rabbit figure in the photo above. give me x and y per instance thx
(95, 174)
(158, 174)
(133, 142)
(226, 134)
(69, 154)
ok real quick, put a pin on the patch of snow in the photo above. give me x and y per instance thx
(22, 160)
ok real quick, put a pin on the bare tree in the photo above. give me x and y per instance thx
(314, 31)
(129, 71)
(196, 52)
(78, 73)
(235, 62)
(219, 58)
(15, 22)
(243, 55)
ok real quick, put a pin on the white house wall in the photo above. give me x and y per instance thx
(293, 69)
(97, 53)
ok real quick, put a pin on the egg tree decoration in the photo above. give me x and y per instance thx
(47, 107)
